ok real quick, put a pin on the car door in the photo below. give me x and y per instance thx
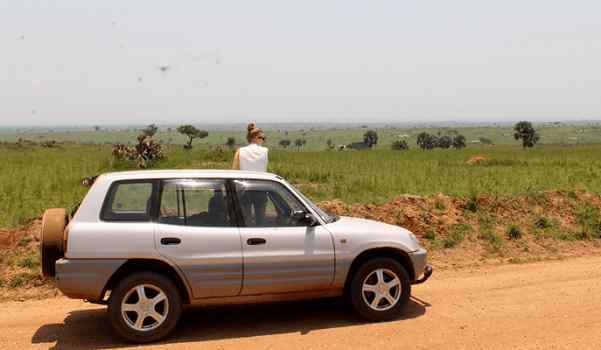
(281, 254)
(198, 232)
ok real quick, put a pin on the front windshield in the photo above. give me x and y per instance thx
(328, 218)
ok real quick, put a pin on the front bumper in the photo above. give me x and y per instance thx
(422, 269)
(427, 273)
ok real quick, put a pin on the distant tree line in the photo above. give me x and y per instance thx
(428, 141)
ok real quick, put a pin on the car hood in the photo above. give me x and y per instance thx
(364, 231)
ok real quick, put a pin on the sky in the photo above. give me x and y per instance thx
(73, 62)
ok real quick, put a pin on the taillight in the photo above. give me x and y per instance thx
(65, 240)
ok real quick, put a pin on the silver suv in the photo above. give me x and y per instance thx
(147, 242)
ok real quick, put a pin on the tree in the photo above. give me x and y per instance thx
(525, 132)
(150, 130)
(426, 141)
(231, 142)
(284, 143)
(459, 141)
(370, 138)
(330, 144)
(444, 141)
(400, 145)
(299, 143)
(192, 133)
(96, 128)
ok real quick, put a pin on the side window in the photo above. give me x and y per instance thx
(128, 201)
(267, 204)
(195, 203)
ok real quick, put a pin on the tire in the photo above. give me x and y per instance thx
(125, 323)
(54, 222)
(388, 306)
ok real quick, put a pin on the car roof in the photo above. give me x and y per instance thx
(188, 173)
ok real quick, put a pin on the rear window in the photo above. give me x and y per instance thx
(128, 201)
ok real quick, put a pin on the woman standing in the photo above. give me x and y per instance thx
(253, 158)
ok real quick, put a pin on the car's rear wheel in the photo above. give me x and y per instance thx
(144, 307)
(380, 289)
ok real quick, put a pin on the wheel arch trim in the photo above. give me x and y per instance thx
(398, 254)
(155, 265)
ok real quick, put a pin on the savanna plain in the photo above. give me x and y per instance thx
(505, 227)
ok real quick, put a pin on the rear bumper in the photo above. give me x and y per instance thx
(83, 278)
(422, 269)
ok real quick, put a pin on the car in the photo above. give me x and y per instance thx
(146, 243)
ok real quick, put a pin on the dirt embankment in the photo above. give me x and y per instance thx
(20, 277)
(490, 229)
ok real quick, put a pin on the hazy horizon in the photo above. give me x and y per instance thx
(139, 62)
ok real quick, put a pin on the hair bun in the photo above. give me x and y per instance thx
(251, 127)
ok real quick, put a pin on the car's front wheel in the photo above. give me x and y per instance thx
(144, 307)
(380, 289)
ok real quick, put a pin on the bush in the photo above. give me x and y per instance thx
(459, 141)
(472, 204)
(370, 138)
(427, 141)
(590, 220)
(542, 223)
(513, 232)
(456, 235)
(400, 145)
(495, 241)
(144, 153)
(430, 235)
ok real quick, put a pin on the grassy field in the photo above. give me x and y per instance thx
(35, 178)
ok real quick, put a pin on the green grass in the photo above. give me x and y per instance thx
(494, 240)
(456, 235)
(35, 178)
(589, 218)
(22, 279)
(31, 260)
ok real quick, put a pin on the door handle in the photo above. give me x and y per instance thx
(256, 241)
(170, 241)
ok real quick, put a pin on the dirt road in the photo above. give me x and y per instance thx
(549, 305)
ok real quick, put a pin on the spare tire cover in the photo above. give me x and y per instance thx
(51, 237)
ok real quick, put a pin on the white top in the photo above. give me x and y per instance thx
(253, 157)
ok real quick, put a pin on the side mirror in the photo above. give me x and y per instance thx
(303, 216)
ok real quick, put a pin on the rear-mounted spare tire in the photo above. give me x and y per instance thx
(54, 222)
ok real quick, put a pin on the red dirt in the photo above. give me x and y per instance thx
(10, 238)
